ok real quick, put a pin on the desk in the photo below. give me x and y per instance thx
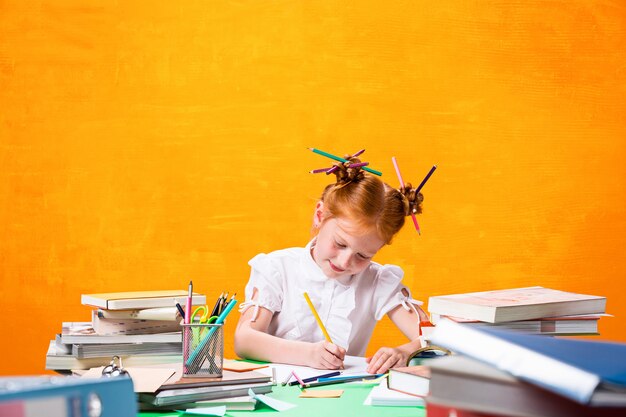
(350, 404)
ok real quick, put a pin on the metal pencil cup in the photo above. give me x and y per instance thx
(203, 350)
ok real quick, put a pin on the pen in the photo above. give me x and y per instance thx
(188, 305)
(315, 378)
(341, 380)
(181, 311)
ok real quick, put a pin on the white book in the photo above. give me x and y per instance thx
(84, 333)
(140, 299)
(157, 314)
(515, 304)
(381, 395)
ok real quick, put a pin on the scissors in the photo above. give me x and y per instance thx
(204, 318)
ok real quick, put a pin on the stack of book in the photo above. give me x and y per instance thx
(503, 373)
(142, 328)
(532, 310)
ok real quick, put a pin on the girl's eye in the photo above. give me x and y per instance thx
(363, 257)
(339, 245)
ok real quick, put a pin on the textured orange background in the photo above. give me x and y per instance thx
(143, 145)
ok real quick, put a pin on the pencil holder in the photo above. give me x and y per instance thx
(203, 350)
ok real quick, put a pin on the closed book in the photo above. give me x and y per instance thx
(245, 403)
(140, 299)
(158, 313)
(84, 333)
(58, 361)
(550, 326)
(122, 349)
(412, 380)
(470, 386)
(515, 304)
(109, 326)
(187, 395)
(437, 410)
(589, 372)
(381, 395)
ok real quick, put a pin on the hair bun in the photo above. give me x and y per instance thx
(414, 199)
(346, 173)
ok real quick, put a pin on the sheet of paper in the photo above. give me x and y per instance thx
(277, 405)
(334, 393)
(238, 366)
(144, 379)
(352, 365)
(206, 411)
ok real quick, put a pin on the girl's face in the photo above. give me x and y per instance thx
(342, 249)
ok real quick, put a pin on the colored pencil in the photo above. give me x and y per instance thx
(317, 318)
(426, 178)
(320, 170)
(395, 165)
(336, 158)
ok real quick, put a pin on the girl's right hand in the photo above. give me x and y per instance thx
(325, 355)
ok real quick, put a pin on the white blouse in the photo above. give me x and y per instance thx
(349, 308)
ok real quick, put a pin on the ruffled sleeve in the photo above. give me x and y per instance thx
(267, 278)
(388, 292)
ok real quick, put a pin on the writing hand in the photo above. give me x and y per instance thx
(325, 355)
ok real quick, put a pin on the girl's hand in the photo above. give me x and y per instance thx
(325, 355)
(386, 358)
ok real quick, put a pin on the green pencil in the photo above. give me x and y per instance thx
(336, 158)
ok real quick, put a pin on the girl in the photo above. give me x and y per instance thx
(353, 220)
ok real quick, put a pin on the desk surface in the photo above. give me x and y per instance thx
(350, 403)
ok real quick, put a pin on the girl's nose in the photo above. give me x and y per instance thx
(343, 260)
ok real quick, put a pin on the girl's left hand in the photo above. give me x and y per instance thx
(386, 358)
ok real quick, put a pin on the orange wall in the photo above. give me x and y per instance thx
(144, 145)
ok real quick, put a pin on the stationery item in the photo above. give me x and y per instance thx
(110, 327)
(60, 362)
(243, 403)
(437, 410)
(241, 366)
(317, 317)
(157, 314)
(180, 310)
(232, 297)
(463, 383)
(216, 311)
(139, 299)
(298, 379)
(222, 303)
(335, 393)
(84, 333)
(178, 381)
(315, 378)
(111, 349)
(515, 304)
(412, 380)
(340, 380)
(144, 379)
(206, 338)
(352, 365)
(173, 397)
(588, 372)
(206, 411)
(584, 324)
(188, 303)
(395, 165)
(381, 395)
(66, 397)
(336, 158)
(274, 403)
(419, 187)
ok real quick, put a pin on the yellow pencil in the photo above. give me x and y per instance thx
(317, 317)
